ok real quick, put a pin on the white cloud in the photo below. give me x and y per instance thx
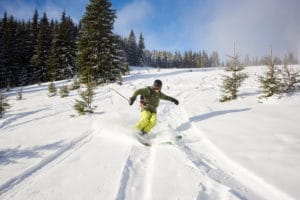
(53, 11)
(19, 9)
(23, 10)
(132, 16)
(254, 26)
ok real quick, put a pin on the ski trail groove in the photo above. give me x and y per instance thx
(126, 173)
(149, 174)
(137, 173)
(80, 141)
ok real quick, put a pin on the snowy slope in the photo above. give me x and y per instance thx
(242, 149)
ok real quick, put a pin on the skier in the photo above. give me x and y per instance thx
(149, 101)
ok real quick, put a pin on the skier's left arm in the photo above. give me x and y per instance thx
(168, 98)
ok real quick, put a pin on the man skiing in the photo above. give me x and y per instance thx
(150, 97)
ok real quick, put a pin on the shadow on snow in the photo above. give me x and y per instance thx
(10, 156)
(187, 125)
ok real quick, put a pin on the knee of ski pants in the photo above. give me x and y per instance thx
(147, 118)
(151, 123)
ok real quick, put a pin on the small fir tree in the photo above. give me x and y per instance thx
(290, 80)
(232, 82)
(75, 85)
(64, 91)
(85, 105)
(20, 94)
(270, 82)
(3, 104)
(52, 90)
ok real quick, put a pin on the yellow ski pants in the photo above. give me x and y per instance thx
(147, 121)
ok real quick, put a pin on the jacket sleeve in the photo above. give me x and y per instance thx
(142, 91)
(166, 97)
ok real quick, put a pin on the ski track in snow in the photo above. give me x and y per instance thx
(57, 156)
(137, 173)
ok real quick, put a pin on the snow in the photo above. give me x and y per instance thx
(242, 149)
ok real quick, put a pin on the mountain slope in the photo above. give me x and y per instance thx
(236, 150)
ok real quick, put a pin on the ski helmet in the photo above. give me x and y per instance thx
(157, 83)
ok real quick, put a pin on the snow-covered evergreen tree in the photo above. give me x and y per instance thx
(21, 55)
(64, 91)
(75, 85)
(270, 81)
(290, 79)
(85, 105)
(132, 50)
(6, 52)
(67, 47)
(52, 90)
(214, 59)
(205, 59)
(141, 49)
(2, 62)
(98, 50)
(234, 79)
(32, 44)
(121, 43)
(53, 62)
(20, 94)
(42, 51)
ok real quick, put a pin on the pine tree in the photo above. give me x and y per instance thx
(42, 51)
(140, 50)
(290, 79)
(32, 45)
(64, 91)
(85, 105)
(214, 59)
(20, 94)
(132, 50)
(124, 69)
(53, 62)
(52, 89)
(2, 55)
(205, 59)
(9, 62)
(270, 82)
(75, 85)
(13, 52)
(98, 52)
(67, 47)
(233, 81)
(3, 104)
(21, 55)
(177, 59)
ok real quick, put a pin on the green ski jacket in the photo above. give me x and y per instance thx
(151, 98)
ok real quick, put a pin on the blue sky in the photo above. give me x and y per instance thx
(254, 25)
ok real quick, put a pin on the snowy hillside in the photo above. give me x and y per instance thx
(241, 149)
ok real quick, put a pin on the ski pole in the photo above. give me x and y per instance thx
(119, 94)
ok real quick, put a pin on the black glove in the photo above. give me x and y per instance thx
(175, 101)
(131, 100)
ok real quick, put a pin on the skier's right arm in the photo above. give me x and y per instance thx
(135, 94)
